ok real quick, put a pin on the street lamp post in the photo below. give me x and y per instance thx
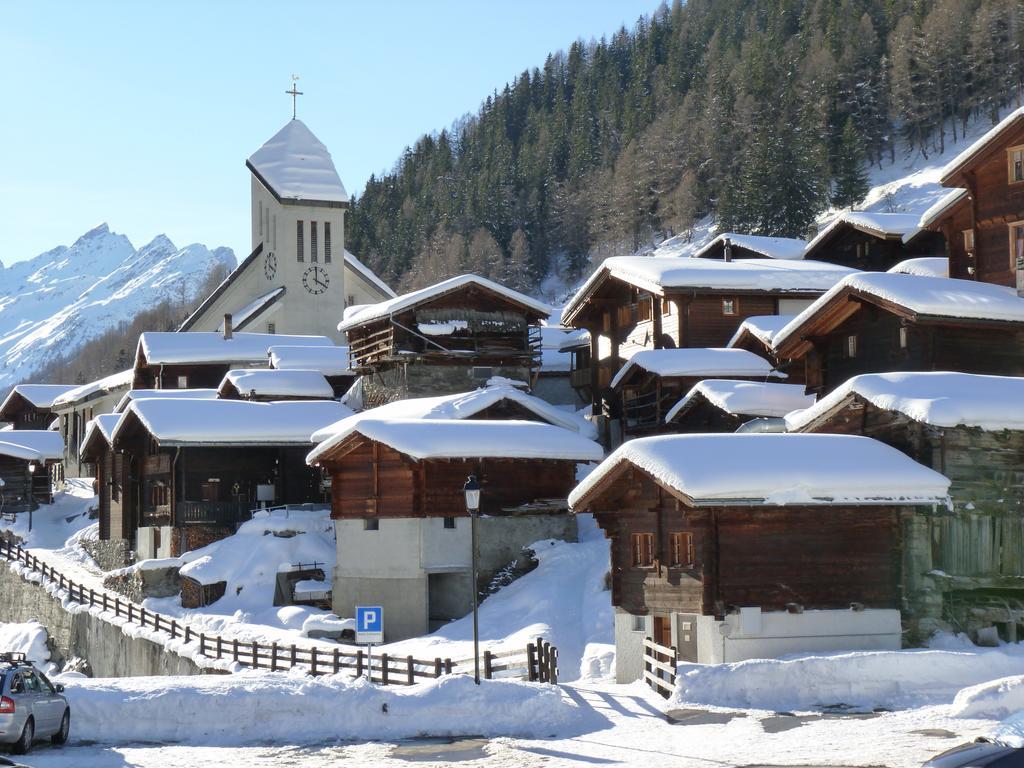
(472, 493)
(31, 492)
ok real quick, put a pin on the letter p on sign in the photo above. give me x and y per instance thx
(369, 624)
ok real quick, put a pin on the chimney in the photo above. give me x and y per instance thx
(727, 249)
(227, 326)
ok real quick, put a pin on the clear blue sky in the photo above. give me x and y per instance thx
(142, 114)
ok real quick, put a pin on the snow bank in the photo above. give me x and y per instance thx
(28, 638)
(867, 679)
(994, 700)
(292, 709)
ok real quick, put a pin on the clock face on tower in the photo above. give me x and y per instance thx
(315, 280)
(270, 265)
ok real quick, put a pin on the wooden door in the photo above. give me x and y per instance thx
(663, 631)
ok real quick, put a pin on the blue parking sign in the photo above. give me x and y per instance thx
(369, 624)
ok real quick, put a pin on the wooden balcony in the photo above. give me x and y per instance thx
(213, 512)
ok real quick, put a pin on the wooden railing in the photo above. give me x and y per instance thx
(386, 669)
(213, 512)
(538, 663)
(660, 667)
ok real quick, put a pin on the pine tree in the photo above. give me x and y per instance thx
(850, 180)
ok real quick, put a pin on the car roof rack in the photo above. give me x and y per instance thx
(13, 657)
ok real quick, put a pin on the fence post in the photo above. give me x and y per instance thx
(220, 645)
(142, 616)
(174, 628)
(273, 656)
(255, 655)
(487, 665)
(234, 649)
(188, 631)
(412, 673)
(294, 655)
(92, 596)
(447, 666)
(129, 612)
(202, 643)
(384, 669)
(312, 661)
(437, 666)
(531, 662)
(553, 674)
(337, 661)
(359, 663)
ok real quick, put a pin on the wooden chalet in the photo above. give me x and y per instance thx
(450, 328)
(400, 513)
(26, 460)
(983, 221)
(76, 408)
(652, 381)
(644, 303)
(730, 547)
(730, 245)
(192, 360)
(878, 322)
(30, 406)
(112, 479)
(968, 561)
(872, 241)
(724, 405)
(332, 362)
(194, 469)
(755, 335)
(264, 385)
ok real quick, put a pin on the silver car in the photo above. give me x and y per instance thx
(31, 707)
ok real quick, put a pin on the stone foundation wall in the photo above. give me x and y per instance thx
(424, 380)
(110, 554)
(191, 537)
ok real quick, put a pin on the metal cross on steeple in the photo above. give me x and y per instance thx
(294, 93)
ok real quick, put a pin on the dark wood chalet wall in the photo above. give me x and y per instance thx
(702, 324)
(17, 491)
(704, 417)
(881, 254)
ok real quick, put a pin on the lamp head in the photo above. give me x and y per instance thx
(471, 490)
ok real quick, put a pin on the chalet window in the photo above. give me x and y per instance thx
(642, 550)
(449, 522)
(313, 255)
(680, 549)
(327, 242)
(300, 247)
(667, 307)
(903, 337)
(210, 490)
(1015, 162)
(371, 524)
(730, 306)
(851, 346)
(1017, 245)
(159, 495)
(968, 239)
(183, 382)
(271, 328)
(644, 309)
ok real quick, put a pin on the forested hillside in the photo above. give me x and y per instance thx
(763, 112)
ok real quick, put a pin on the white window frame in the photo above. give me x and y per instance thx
(1013, 226)
(1011, 165)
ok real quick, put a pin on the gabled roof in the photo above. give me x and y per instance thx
(978, 148)
(916, 297)
(32, 445)
(37, 395)
(761, 327)
(464, 405)
(696, 361)
(939, 209)
(101, 426)
(330, 361)
(368, 274)
(253, 309)
(405, 301)
(770, 470)
(100, 386)
(744, 398)
(166, 394)
(666, 273)
(183, 422)
(575, 340)
(454, 439)
(769, 247)
(173, 347)
(295, 166)
(267, 383)
(938, 398)
(924, 266)
(885, 226)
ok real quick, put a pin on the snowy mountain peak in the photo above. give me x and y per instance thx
(55, 302)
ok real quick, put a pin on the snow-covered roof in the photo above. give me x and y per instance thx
(32, 445)
(253, 309)
(938, 209)
(978, 146)
(553, 356)
(938, 398)
(103, 424)
(924, 266)
(774, 469)
(883, 225)
(368, 274)
(39, 395)
(330, 361)
(464, 405)
(211, 347)
(232, 422)
(469, 439)
(761, 327)
(406, 300)
(295, 165)
(166, 394)
(697, 361)
(106, 384)
(932, 296)
(263, 382)
(747, 398)
(658, 273)
(770, 247)
(575, 340)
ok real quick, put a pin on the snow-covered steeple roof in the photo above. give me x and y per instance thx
(296, 166)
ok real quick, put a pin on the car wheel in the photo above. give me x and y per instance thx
(61, 736)
(28, 734)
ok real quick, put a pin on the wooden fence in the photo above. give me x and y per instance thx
(386, 669)
(660, 667)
